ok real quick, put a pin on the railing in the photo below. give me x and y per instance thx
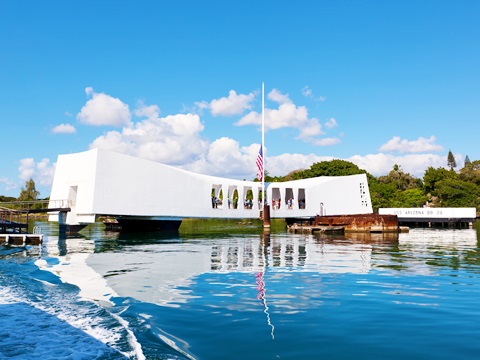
(14, 214)
(36, 204)
(24, 205)
(13, 220)
(62, 203)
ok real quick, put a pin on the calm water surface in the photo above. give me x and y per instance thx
(262, 296)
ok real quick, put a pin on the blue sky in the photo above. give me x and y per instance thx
(376, 83)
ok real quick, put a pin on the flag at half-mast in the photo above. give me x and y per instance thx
(260, 164)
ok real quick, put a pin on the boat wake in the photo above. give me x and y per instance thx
(43, 317)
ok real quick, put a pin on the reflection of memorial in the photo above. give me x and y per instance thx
(434, 249)
(423, 239)
(301, 253)
(164, 271)
(72, 267)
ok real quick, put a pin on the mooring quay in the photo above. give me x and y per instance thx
(14, 222)
(21, 239)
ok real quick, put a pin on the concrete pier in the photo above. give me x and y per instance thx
(21, 239)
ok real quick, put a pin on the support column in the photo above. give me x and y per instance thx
(62, 223)
(266, 216)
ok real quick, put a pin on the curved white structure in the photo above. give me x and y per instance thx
(101, 182)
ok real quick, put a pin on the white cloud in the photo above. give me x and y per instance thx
(308, 93)
(405, 146)
(115, 141)
(311, 129)
(41, 172)
(174, 139)
(326, 141)
(225, 157)
(89, 91)
(278, 97)
(331, 123)
(415, 164)
(9, 184)
(44, 172)
(64, 129)
(103, 109)
(283, 164)
(234, 104)
(287, 115)
(150, 111)
(200, 106)
(252, 118)
(26, 168)
(177, 140)
(290, 115)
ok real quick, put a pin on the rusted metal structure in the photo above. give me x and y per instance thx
(359, 223)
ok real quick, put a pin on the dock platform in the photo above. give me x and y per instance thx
(21, 239)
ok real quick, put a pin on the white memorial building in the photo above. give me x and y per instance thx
(100, 182)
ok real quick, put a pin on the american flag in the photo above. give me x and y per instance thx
(260, 164)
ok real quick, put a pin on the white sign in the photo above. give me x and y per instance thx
(432, 213)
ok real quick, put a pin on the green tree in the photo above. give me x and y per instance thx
(451, 163)
(382, 195)
(400, 179)
(269, 178)
(293, 175)
(29, 193)
(457, 193)
(331, 168)
(410, 198)
(471, 172)
(7, 198)
(432, 176)
(397, 189)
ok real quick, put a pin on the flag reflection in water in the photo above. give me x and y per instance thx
(260, 280)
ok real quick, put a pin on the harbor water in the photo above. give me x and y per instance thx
(109, 295)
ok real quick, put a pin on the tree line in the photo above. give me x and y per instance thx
(439, 187)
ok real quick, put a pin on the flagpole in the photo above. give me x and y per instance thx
(263, 148)
(265, 207)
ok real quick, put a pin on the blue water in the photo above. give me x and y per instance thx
(275, 296)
